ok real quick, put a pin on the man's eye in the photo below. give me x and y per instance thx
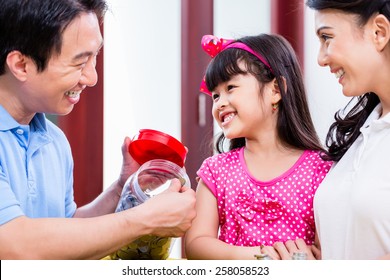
(81, 64)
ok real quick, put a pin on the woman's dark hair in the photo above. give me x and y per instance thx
(35, 27)
(294, 125)
(346, 129)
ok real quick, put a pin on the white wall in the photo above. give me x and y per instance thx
(142, 73)
(234, 19)
(142, 76)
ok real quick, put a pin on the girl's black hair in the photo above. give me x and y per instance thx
(346, 129)
(294, 125)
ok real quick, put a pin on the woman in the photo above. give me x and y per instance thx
(352, 208)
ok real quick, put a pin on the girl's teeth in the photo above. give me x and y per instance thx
(228, 117)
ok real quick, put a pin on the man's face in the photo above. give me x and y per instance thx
(57, 89)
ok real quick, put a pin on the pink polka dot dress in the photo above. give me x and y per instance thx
(253, 213)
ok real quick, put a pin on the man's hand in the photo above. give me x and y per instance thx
(129, 165)
(171, 212)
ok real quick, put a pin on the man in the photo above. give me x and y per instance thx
(48, 52)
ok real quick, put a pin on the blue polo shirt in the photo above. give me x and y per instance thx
(36, 169)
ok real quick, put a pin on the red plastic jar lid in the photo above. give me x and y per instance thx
(151, 144)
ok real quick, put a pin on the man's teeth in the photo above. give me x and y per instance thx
(339, 73)
(73, 93)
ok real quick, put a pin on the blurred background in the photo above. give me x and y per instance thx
(150, 70)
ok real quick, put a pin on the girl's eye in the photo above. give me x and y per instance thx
(215, 96)
(230, 87)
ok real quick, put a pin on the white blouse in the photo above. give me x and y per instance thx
(352, 205)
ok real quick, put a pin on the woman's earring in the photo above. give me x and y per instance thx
(274, 107)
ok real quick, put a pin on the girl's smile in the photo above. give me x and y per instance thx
(226, 118)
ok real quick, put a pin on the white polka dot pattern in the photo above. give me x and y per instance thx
(251, 212)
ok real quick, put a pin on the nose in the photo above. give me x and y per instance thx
(89, 75)
(221, 102)
(322, 58)
(218, 106)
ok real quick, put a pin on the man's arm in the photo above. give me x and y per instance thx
(168, 214)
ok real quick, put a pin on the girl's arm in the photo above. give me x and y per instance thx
(201, 241)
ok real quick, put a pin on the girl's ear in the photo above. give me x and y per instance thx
(276, 92)
(381, 31)
(17, 65)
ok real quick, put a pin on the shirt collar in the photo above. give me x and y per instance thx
(375, 119)
(8, 122)
(385, 118)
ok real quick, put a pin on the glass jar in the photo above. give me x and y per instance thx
(152, 178)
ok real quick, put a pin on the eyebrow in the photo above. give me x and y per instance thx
(86, 54)
(322, 28)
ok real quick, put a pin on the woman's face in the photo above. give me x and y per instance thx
(349, 51)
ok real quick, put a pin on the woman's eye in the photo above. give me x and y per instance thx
(324, 37)
(215, 96)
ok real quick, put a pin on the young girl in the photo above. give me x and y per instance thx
(261, 190)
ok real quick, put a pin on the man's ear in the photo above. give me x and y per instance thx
(17, 65)
(381, 29)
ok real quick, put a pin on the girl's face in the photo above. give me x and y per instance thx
(240, 108)
(349, 51)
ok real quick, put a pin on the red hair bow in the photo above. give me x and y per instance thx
(212, 45)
